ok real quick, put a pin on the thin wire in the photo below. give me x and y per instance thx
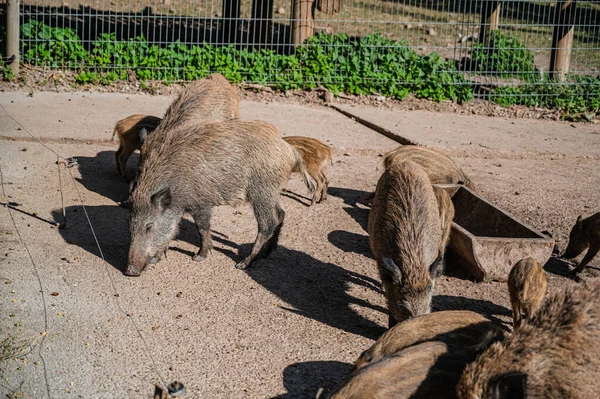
(112, 282)
(32, 136)
(115, 291)
(39, 279)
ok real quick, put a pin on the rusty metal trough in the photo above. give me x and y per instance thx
(486, 241)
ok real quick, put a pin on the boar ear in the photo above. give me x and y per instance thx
(162, 198)
(390, 267)
(578, 220)
(511, 385)
(437, 267)
(143, 134)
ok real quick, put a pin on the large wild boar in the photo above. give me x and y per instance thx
(527, 284)
(406, 239)
(585, 234)
(554, 355)
(131, 132)
(440, 168)
(457, 327)
(193, 168)
(212, 99)
(315, 156)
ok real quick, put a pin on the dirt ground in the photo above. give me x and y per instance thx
(292, 323)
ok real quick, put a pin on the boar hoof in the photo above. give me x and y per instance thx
(132, 271)
(242, 265)
(153, 260)
(198, 258)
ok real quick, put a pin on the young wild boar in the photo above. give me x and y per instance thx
(457, 327)
(440, 168)
(554, 355)
(423, 371)
(193, 168)
(446, 209)
(131, 132)
(526, 286)
(584, 235)
(406, 239)
(315, 155)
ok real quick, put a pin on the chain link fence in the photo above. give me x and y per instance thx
(524, 47)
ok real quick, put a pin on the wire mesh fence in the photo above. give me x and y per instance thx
(525, 47)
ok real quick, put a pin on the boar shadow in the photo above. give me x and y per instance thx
(561, 267)
(99, 174)
(353, 198)
(296, 197)
(482, 306)
(110, 224)
(316, 290)
(350, 242)
(303, 380)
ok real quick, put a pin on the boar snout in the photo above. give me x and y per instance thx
(133, 271)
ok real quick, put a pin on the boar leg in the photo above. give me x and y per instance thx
(124, 156)
(270, 219)
(117, 158)
(593, 251)
(202, 218)
(516, 315)
(325, 187)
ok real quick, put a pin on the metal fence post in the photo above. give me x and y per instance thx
(562, 39)
(302, 21)
(12, 35)
(490, 19)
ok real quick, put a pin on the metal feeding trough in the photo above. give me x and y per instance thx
(486, 241)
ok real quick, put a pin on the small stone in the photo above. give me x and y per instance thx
(431, 32)
(55, 294)
(281, 10)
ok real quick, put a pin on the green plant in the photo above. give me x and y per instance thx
(504, 55)
(52, 47)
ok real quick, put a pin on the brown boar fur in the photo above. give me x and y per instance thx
(200, 166)
(440, 168)
(446, 209)
(554, 355)
(423, 371)
(585, 234)
(129, 131)
(315, 155)
(527, 284)
(406, 239)
(457, 327)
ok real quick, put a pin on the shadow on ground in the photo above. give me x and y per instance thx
(99, 174)
(303, 380)
(350, 242)
(482, 306)
(110, 223)
(317, 290)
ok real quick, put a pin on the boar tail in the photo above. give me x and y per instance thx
(113, 136)
(301, 168)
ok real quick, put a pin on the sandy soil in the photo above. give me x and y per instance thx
(289, 325)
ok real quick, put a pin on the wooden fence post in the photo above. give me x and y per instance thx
(562, 39)
(302, 23)
(490, 19)
(12, 35)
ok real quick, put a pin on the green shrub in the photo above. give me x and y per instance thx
(52, 47)
(503, 55)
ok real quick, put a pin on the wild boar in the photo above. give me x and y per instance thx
(131, 132)
(554, 355)
(585, 234)
(315, 155)
(423, 371)
(194, 168)
(527, 284)
(457, 327)
(446, 209)
(440, 168)
(406, 239)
